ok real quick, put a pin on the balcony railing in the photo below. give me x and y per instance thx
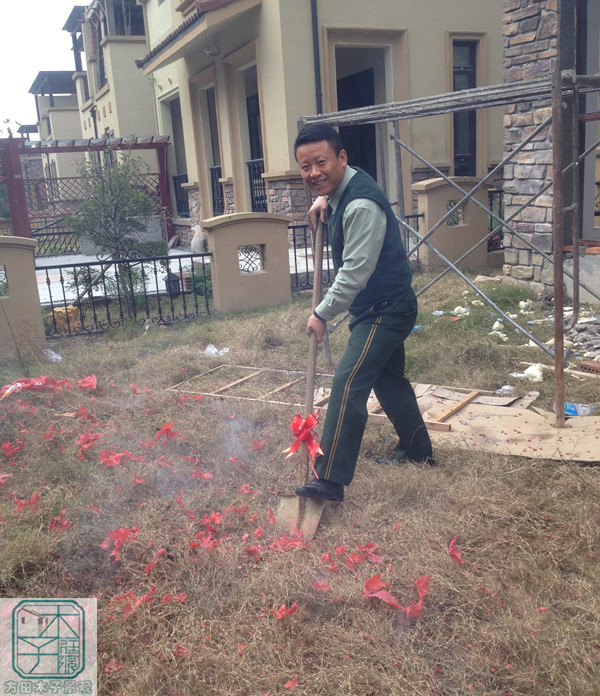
(182, 202)
(258, 190)
(216, 188)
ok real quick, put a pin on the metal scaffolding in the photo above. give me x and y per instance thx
(561, 86)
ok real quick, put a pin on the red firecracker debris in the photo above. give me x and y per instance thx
(157, 555)
(282, 611)
(31, 502)
(165, 431)
(59, 523)
(88, 383)
(10, 450)
(85, 441)
(454, 551)
(119, 537)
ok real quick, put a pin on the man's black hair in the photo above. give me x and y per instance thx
(317, 132)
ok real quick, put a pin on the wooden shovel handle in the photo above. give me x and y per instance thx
(312, 345)
(316, 298)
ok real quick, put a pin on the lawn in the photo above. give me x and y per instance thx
(477, 576)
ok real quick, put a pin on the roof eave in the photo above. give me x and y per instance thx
(178, 43)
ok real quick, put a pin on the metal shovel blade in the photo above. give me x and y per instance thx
(301, 514)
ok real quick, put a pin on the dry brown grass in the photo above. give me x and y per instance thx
(520, 615)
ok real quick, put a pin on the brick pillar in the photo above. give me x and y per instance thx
(530, 51)
(286, 195)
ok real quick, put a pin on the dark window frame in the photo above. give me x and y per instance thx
(464, 76)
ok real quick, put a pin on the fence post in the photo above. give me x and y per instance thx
(21, 326)
(163, 187)
(462, 230)
(250, 266)
(15, 188)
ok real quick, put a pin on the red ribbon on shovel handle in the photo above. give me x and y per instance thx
(302, 428)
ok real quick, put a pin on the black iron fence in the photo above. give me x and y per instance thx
(86, 298)
(55, 239)
(301, 259)
(408, 239)
(91, 297)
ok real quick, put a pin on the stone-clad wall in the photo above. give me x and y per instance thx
(530, 51)
(286, 196)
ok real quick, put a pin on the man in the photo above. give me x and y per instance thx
(373, 282)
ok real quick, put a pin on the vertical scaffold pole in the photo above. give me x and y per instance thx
(558, 247)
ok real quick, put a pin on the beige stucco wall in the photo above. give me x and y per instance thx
(435, 198)
(160, 20)
(416, 53)
(286, 50)
(21, 327)
(59, 122)
(65, 125)
(233, 289)
(286, 58)
(128, 106)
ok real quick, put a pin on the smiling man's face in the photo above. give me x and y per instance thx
(321, 169)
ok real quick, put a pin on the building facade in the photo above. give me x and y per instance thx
(57, 118)
(232, 77)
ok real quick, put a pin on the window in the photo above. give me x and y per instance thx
(129, 19)
(464, 76)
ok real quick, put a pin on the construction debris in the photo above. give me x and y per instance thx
(585, 335)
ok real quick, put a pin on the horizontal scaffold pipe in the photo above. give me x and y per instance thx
(538, 89)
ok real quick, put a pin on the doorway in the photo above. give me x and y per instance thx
(360, 143)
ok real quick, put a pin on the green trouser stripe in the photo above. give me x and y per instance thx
(342, 410)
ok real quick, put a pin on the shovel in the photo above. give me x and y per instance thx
(295, 512)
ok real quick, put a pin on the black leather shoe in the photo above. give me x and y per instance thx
(320, 488)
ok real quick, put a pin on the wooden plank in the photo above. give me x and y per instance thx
(577, 373)
(525, 401)
(323, 400)
(436, 425)
(377, 417)
(456, 407)
(278, 389)
(237, 381)
(196, 377)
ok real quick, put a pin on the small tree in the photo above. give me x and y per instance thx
(115, 211)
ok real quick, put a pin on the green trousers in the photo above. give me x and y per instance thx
(374, 359)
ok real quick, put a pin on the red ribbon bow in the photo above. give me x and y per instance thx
(303, 432)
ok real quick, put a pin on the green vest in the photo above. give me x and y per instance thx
(392, 276)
